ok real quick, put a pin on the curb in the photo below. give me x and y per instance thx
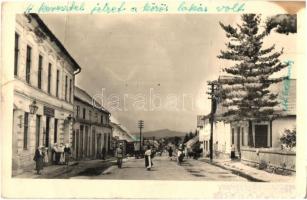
(237, 172)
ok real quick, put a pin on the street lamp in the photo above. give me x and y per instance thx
(33, 107)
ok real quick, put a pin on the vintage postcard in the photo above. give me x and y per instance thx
(153, 99)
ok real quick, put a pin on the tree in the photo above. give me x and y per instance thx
(282, 23)
(246, 94)
(288, 138)
(191, 135)
(186, 138)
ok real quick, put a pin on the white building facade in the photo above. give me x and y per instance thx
(92, 131)
(44, 78)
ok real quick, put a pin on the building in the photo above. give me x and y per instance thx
(43, 91)
(265, 144)
(203, 127)
(122, 136)
(92, 130)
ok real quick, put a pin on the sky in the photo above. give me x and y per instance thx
(152, 67)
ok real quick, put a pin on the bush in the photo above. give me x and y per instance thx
(288, 138)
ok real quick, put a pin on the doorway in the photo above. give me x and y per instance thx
(261, 136)
(47, 131)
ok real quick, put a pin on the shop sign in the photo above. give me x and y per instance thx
(48, 111)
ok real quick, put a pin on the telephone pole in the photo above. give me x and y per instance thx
(141, 125)
(212, 96)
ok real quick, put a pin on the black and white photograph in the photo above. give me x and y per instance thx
(167, 97)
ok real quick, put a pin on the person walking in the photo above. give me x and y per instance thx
(148, 157)
(103, 153)
(179, 156)
(119, 154)
(67, 153)
(39, 159)
(170, 152)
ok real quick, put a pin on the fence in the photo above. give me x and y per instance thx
(279, 159)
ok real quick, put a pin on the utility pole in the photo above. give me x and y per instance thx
(212, 87)
(141, 125)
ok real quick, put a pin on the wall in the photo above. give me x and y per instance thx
(274, 158)
(222, 135)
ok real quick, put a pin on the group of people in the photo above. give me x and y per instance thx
(148, 155)
(60, 155)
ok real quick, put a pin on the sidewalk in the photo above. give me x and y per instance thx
(64, 171)
(248, 172)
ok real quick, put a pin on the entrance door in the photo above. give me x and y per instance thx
(77, 144)
(238, 139)
(38, 126)
(47, 131)
(99, 144)
(261, 136)
(93, 143)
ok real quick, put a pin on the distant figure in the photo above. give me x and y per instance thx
(39, 159)
(232, 154)
(179, 156)
(67, 153)
(170, 152)
(148, 157)
(103, 153)
(119, 154)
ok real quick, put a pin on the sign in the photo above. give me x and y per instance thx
(48, 111)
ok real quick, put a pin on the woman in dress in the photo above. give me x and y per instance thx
(39, 159)
(148, 162)
(67, 152)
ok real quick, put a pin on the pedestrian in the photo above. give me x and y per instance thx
(67, 153)
(148, 157)
(170, 152)
(103, 153)
(232, 154)
(179, 156)
(186, 152)
(119, 154)
(39, 159)
(62, 154)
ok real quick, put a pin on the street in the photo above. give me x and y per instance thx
(165, 169)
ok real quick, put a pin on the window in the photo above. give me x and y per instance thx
(55, 139)
(39, 73)
(25, 131)
(78, 111)
(49, 78)
(96, 117)
(101, 119)
(16, 54)
(28, 63)
(90, 114)
(57, 83)
(84, 112)
(66, 88)
(70, 84)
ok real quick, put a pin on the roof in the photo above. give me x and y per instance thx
(53, 38)
(83, 96)
(286, 90)
(122, 130)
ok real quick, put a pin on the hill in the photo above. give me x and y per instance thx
(161, 133)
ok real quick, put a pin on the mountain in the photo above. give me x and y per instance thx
(161, 133)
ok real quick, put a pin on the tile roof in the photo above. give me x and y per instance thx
(86, 98)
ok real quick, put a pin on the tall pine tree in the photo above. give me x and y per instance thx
(246, 93)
